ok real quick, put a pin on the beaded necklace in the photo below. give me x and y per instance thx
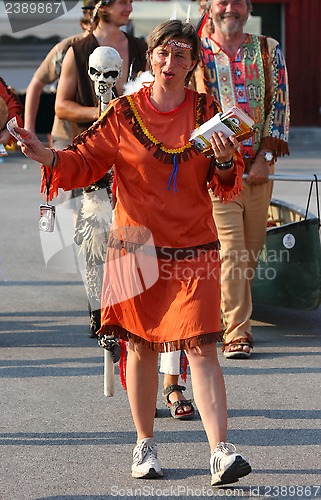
(172, 156)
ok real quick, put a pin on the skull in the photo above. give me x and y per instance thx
(105, 67)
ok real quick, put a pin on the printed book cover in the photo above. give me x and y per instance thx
(234, 121)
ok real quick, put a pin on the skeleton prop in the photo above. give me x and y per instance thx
(105, 67)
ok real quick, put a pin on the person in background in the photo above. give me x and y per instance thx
(250, 72)
(145, 137)
(10, 107)
(205, 25)
(76, 102)
(76, 99)
(47, 73)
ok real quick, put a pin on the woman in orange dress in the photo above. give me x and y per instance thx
(162, 274)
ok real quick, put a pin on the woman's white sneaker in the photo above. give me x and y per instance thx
(226, 465)
(145, 463)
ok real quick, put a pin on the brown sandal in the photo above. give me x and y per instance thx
(230, 352)
(179, 404)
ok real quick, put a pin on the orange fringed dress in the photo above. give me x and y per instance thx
(162, 272)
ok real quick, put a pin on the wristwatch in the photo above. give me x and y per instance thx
(268, 156)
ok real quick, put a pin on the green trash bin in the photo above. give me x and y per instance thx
(289, 269)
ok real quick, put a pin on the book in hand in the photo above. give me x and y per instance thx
(233, 121)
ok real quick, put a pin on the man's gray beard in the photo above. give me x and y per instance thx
(231, 30)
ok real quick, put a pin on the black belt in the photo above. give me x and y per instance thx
(165, 253)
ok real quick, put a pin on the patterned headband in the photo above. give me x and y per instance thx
(180, 45)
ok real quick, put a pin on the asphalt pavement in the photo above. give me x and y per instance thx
(61, 438)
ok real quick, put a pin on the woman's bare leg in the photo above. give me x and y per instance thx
(142, 384)
(209, 391)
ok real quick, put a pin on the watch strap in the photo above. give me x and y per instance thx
(225, 165)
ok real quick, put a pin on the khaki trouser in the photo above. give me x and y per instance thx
(241, 228)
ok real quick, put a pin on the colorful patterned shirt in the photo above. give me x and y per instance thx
(256, 81)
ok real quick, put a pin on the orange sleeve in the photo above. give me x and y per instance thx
(227, 192)
(87, 159)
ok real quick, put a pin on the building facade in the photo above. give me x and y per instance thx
(296, 24)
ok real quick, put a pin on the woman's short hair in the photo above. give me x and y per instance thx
(168, 30)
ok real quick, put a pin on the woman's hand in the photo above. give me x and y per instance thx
(31, 147)
(224, 147)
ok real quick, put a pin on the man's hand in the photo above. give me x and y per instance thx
(259, 172)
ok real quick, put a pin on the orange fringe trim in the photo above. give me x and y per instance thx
(121, 333)
(183, 366)
(53, 189)
(277, 146)
(123, 363)
(227, 192)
